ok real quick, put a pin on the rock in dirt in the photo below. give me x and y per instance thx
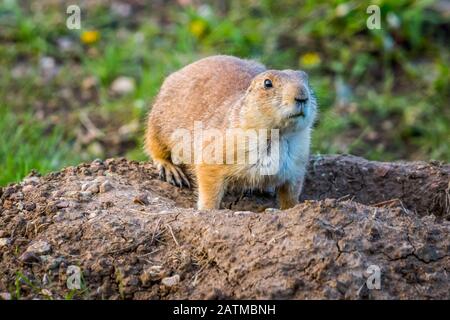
(39, 247)
(29, 258)
(93, 188)
(105, 186)
(85, 196)
(5, 296)
(171, 281)
(62, 204)
(4, 242)
(153, 273)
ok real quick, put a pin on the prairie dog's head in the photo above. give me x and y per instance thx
(280, 99)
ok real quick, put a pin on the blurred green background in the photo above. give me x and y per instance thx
(68, 96)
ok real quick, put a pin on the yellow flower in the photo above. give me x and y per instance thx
(90, 36)
(197, 28)
(310, 59)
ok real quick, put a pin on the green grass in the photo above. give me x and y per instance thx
(383, 94)
(27, 144)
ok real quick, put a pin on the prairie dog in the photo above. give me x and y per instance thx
(223, 93)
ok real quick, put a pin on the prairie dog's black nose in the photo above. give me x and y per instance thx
(302, 95)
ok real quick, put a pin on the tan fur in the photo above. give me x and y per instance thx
(227, 92)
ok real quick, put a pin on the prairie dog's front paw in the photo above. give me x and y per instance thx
(172, 174)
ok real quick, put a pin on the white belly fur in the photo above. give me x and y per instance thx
(291, 164)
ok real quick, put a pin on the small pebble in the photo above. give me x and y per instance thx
(171, 281)
(5, 296)
(39, 247)
(92, 215)
(85, 195)
(105, 186)
(62, 204)
(4, 242)
(46, 292)
(29, 258)
(154, 273)
(242, 213)
(93, 188)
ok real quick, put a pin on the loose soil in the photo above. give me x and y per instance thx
(133, 236)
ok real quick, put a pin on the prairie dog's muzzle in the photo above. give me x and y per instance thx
(302, 96)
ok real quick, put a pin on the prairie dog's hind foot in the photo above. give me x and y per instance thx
(171, 173)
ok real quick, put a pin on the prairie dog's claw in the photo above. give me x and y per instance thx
(174, 175)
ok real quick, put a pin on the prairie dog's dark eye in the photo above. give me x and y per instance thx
(268, 83)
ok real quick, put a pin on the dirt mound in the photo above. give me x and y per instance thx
(122, 233)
